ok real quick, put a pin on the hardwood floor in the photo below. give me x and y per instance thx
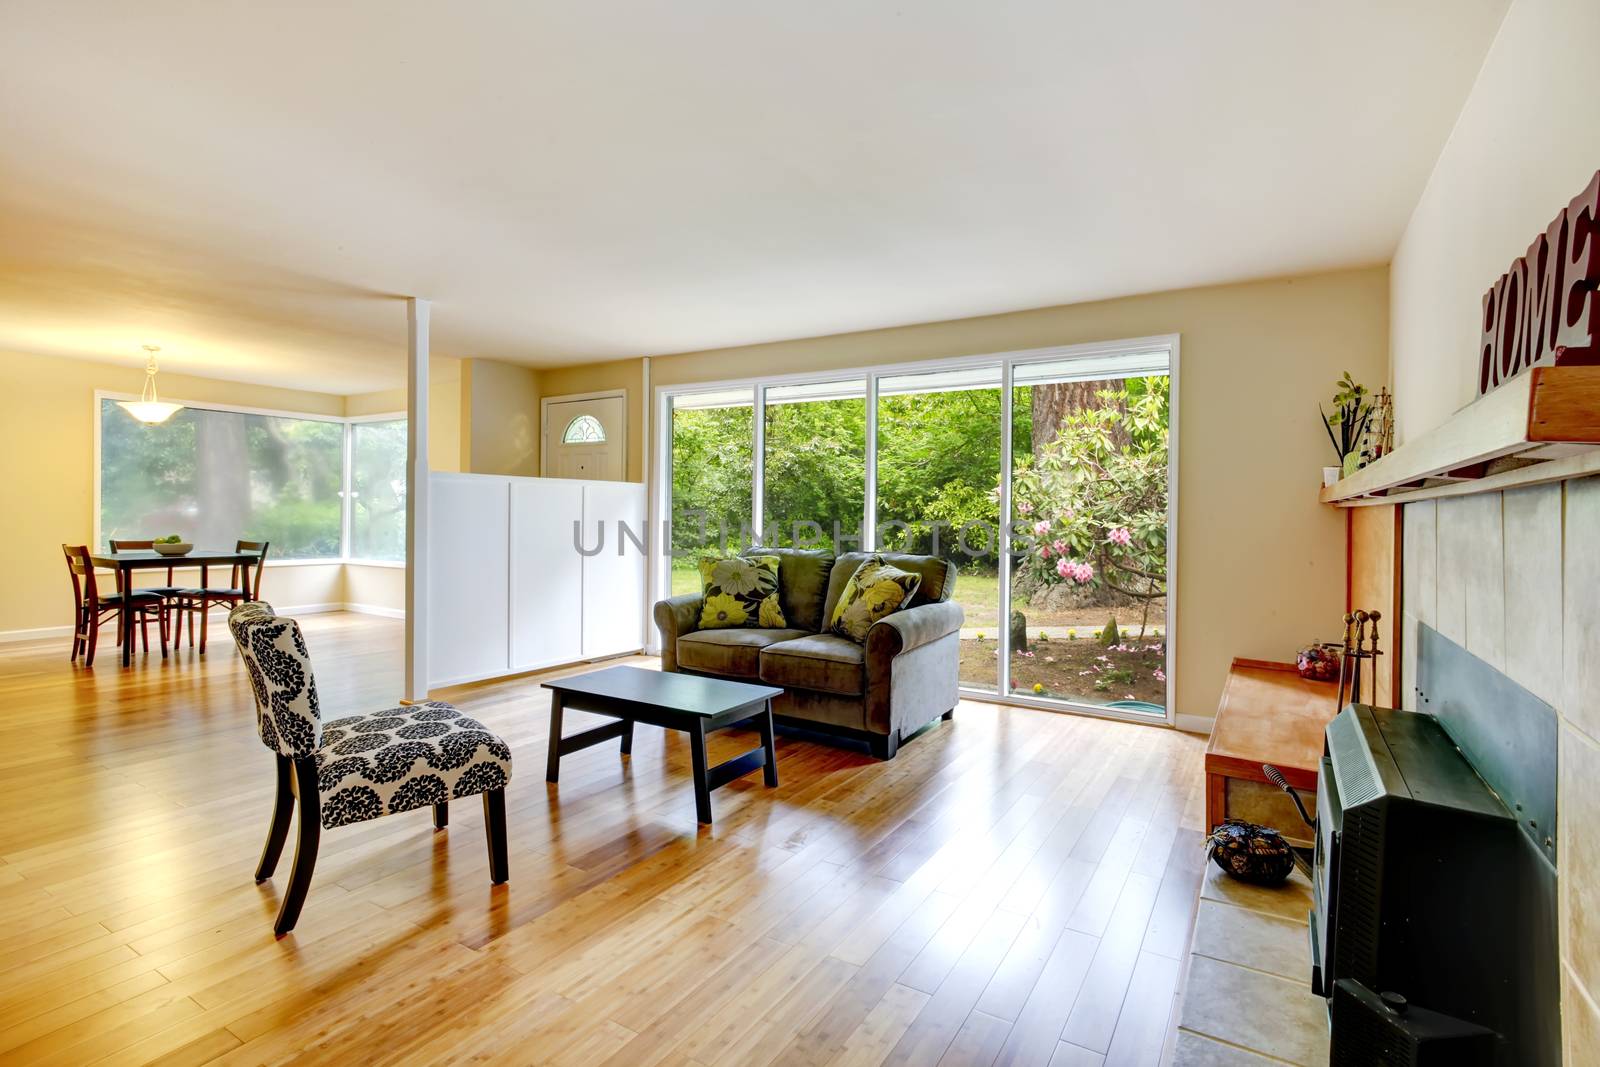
(1017, 887)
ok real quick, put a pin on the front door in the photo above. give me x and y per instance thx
(584, 438)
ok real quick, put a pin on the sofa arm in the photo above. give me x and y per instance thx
(903, 631)
(913, 667)
(675, 617)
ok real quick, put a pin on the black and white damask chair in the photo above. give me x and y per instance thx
(357, 768)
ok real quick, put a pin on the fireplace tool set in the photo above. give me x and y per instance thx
(1359, 647)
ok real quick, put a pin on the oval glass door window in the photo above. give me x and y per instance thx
(584, 429)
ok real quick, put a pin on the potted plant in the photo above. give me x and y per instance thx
(1352, 410)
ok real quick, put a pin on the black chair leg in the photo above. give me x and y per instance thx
(282, 813)
(305, 847)
(441, 815)
(494, 826)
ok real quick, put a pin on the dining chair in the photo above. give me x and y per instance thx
(90, 607)
(359, 767)
(197, 603)
(168, 593)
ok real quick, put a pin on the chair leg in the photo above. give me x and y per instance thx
(144, 631)
(205, 613)
(494, 826)
(282, 813)
(305, 847)
(94, 636)
(441, 815)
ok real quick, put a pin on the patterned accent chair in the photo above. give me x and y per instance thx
(361, 767)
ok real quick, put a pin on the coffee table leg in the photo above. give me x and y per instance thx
(770, 770)
(702, 785)
(552, 768)
(627, 737)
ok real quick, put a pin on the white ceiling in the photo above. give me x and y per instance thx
(251, 185)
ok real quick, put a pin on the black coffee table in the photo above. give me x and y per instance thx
(686, 702)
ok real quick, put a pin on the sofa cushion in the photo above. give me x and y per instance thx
(938, 576)
(740, 591)
(734, 651)
(876, 589)
(802, 584)
(816, 661)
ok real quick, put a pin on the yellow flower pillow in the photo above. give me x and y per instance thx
(876, 589)
(740, 591)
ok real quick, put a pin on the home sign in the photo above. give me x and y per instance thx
(1545, 309)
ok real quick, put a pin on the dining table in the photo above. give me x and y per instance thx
(144, 559)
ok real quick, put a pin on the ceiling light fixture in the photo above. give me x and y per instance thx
(149, 408)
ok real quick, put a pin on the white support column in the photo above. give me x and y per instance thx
(416, 680)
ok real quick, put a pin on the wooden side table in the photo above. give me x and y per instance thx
(1268, 714)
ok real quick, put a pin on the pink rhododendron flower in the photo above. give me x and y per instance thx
(1120, 536)
(1064, 567)
(1044, 551)
(1024, 508)
(1041, 528)
(1060, 547)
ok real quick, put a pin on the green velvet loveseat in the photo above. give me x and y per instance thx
(904, 677)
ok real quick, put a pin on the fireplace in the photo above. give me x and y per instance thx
(1434, 929)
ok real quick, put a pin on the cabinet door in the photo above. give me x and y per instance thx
(546, 573)
(467, 616)
(613, 582)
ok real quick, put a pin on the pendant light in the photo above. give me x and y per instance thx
(149, 408)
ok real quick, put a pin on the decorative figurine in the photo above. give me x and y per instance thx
(1255, 854)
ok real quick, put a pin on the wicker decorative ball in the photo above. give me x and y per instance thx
(1319, 662)
(1251, 853)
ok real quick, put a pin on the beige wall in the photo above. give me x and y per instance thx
(1526, 143)
(499, 418)
(1260, 562)
(47, 405)
(623, 374)
(1514, 579)
(444, 411)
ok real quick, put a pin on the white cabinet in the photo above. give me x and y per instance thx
(508, 588)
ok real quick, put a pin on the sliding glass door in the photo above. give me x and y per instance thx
(1089, 498)
(1044, 477)
(815, 468)
(712, 465)
(938, 468)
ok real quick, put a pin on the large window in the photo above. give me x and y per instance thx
(1061, 541)
(713, 464)
(816, 465)
(215, 476)
(378, 482)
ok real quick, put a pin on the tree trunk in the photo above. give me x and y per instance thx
(1052, 404)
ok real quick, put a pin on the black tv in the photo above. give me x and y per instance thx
(1418, 883)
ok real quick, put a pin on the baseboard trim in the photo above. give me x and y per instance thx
(373, 609)
(42, 633)
(308, 609)
(38, 633)
(1195, 724)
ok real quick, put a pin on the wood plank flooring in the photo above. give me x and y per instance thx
(1017, 888)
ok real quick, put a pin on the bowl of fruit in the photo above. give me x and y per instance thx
(172, 546)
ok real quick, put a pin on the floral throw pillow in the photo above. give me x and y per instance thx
(876, 589)
(740, 591)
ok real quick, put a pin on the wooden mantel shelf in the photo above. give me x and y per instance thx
(1540, 426)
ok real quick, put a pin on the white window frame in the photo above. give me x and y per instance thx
(345, 492)
(660, 484)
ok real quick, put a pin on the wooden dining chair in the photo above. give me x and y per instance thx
(359, 767)
(90, 607)
(168, 593)
(197, 603)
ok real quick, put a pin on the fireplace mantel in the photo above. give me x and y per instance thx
(1542, 426)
